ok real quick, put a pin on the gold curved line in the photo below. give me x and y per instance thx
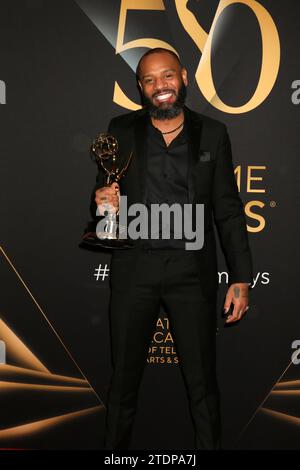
(260, 406)
(282, 416)
(20, 352)
(14, 370)
(42, 425)
(288, 383)
(45, 317)
(27, 386)
(285, 392)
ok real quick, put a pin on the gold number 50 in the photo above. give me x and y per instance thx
(270, 50)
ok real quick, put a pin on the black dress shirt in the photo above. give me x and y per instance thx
(166, 182)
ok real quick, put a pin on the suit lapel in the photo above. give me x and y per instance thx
(140, 136)
(194, 126)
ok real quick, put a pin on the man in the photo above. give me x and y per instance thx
(184, 157)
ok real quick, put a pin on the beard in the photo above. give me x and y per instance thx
(174, 109)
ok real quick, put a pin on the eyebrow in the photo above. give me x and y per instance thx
(167, 70)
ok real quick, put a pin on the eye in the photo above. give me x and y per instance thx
(148, 80)
(169, 75)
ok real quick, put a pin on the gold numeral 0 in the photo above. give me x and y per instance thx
(270, 54)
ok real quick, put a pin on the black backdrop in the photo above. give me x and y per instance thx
(67, 67)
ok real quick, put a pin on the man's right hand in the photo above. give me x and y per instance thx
(108, 198)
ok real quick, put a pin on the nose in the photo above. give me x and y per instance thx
(160, 83)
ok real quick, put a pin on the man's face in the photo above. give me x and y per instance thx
(163, 85)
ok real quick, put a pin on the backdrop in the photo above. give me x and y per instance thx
(66, 69)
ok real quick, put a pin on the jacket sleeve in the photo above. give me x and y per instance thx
(229, 216)
(100, 179)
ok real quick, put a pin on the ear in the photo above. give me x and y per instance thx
(184, 76)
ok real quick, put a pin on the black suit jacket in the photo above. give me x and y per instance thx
(211, 181)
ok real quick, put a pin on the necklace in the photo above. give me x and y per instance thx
(169, 132)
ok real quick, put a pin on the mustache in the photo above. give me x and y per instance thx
(173, 111)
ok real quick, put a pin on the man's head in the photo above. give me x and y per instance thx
(162, 80)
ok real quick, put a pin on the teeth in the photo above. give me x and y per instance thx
(164, 96)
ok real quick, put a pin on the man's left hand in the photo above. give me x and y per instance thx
(238, 294)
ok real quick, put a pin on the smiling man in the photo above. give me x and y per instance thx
(181, 157)
(164, 103)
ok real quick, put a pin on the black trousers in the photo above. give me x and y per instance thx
(140, 283)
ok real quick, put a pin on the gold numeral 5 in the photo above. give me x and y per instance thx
(119, 96)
